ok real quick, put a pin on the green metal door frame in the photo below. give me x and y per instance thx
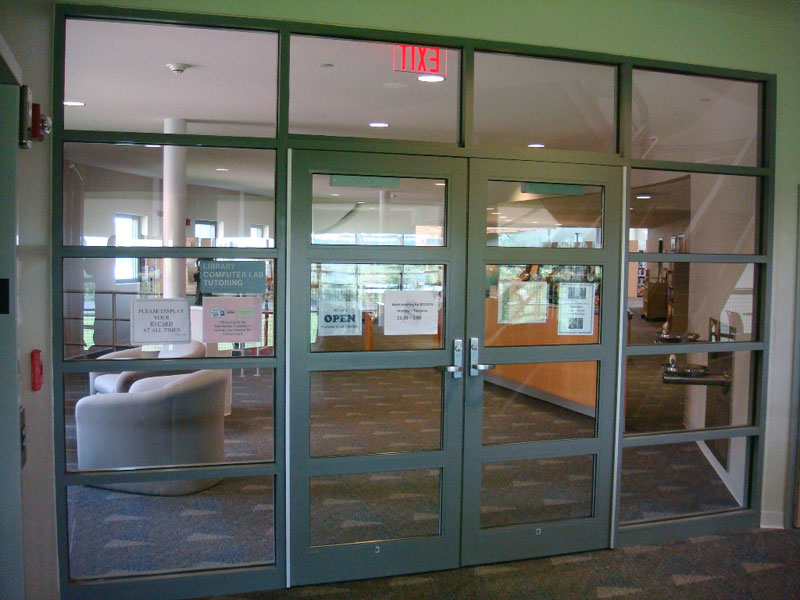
(554, 537)
(384, 557)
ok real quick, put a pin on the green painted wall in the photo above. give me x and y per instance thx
(757, 35)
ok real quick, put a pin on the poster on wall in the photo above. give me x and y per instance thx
(410, 312)
(160, 321)
(232, 319)
(521, 301)
(232, 276)
(338, 318)
(576, 308)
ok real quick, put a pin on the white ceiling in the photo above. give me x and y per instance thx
(119, 70)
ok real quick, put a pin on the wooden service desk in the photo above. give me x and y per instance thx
(572, 385)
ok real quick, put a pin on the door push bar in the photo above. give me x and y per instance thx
(475, 367)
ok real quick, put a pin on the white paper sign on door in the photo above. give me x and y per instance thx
(410, 313)
(521, 301)
(160, 321)
(338, 318)
(576, 308)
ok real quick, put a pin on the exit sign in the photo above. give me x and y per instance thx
(419, 59)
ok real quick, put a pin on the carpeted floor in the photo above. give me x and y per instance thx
(760, 564)
(369, 412)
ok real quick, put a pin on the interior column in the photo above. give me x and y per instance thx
(174, 225)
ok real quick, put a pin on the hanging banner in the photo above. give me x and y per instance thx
(338, 318)
(410, 313)
(160, 321)
(232, 276)
(232, 319)
(576, 308)
(521, 301)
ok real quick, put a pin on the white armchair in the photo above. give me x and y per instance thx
(111, 383)
(166, 420)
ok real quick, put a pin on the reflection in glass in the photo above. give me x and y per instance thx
(357, 307)
(113, 534)
(97, 307)
(114, 195)
(139, 89)
(539, 305)
(544, 215)
(563, 105)
(377, 211)
(715, 391)
(528, 402)
(338, 87)
(345, 509)
(695, 119)
(536, 490)
(376, 411)
(120, 425)
(693, 212)
(689, 302)
(662, 482)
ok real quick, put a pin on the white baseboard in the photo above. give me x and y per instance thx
(772, 519)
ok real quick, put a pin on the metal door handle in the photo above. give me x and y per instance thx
(458, 359)
(475, 366)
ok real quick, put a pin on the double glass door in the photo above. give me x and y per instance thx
(453, 332)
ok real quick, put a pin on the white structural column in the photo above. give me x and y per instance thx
(174, 224)
(383, 210)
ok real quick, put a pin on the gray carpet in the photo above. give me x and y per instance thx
(747, 565)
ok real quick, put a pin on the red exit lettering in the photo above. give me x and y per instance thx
(419, 59)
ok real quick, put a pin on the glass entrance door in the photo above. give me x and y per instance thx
(542, 335)
(451, 386)
(377, 318)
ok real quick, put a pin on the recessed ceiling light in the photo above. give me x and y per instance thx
(440, 183)
(496, 213)
(74, 103)
(360, 202)
(558, 224)
(643, 197)
(326, 65)
(379, 124)
(395, 85)
(152, 145)
(335, 195)
(431, 78)
(536, 145)
(222, 169)
(490, 208)
(535, 222)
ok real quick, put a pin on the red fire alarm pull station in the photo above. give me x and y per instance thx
(419, 59)
(37, 370)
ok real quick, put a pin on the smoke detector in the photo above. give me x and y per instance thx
(178, 68)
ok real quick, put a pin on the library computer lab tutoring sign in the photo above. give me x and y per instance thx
(232, 276)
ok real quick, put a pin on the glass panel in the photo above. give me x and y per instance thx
(523, 101)
(232, 314)
(661, 482)
(544, 215)
(345, 509)
(356, 307)
(157, 418)
(540, 305)
(373, 89)
(702, 390)
(372, 412)
(529, 402)
(377, 211)
(536, 490)
(695, 119)
(687, 302)
(693, 212)
(227, 87)
(114, 195)
(227, 523)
